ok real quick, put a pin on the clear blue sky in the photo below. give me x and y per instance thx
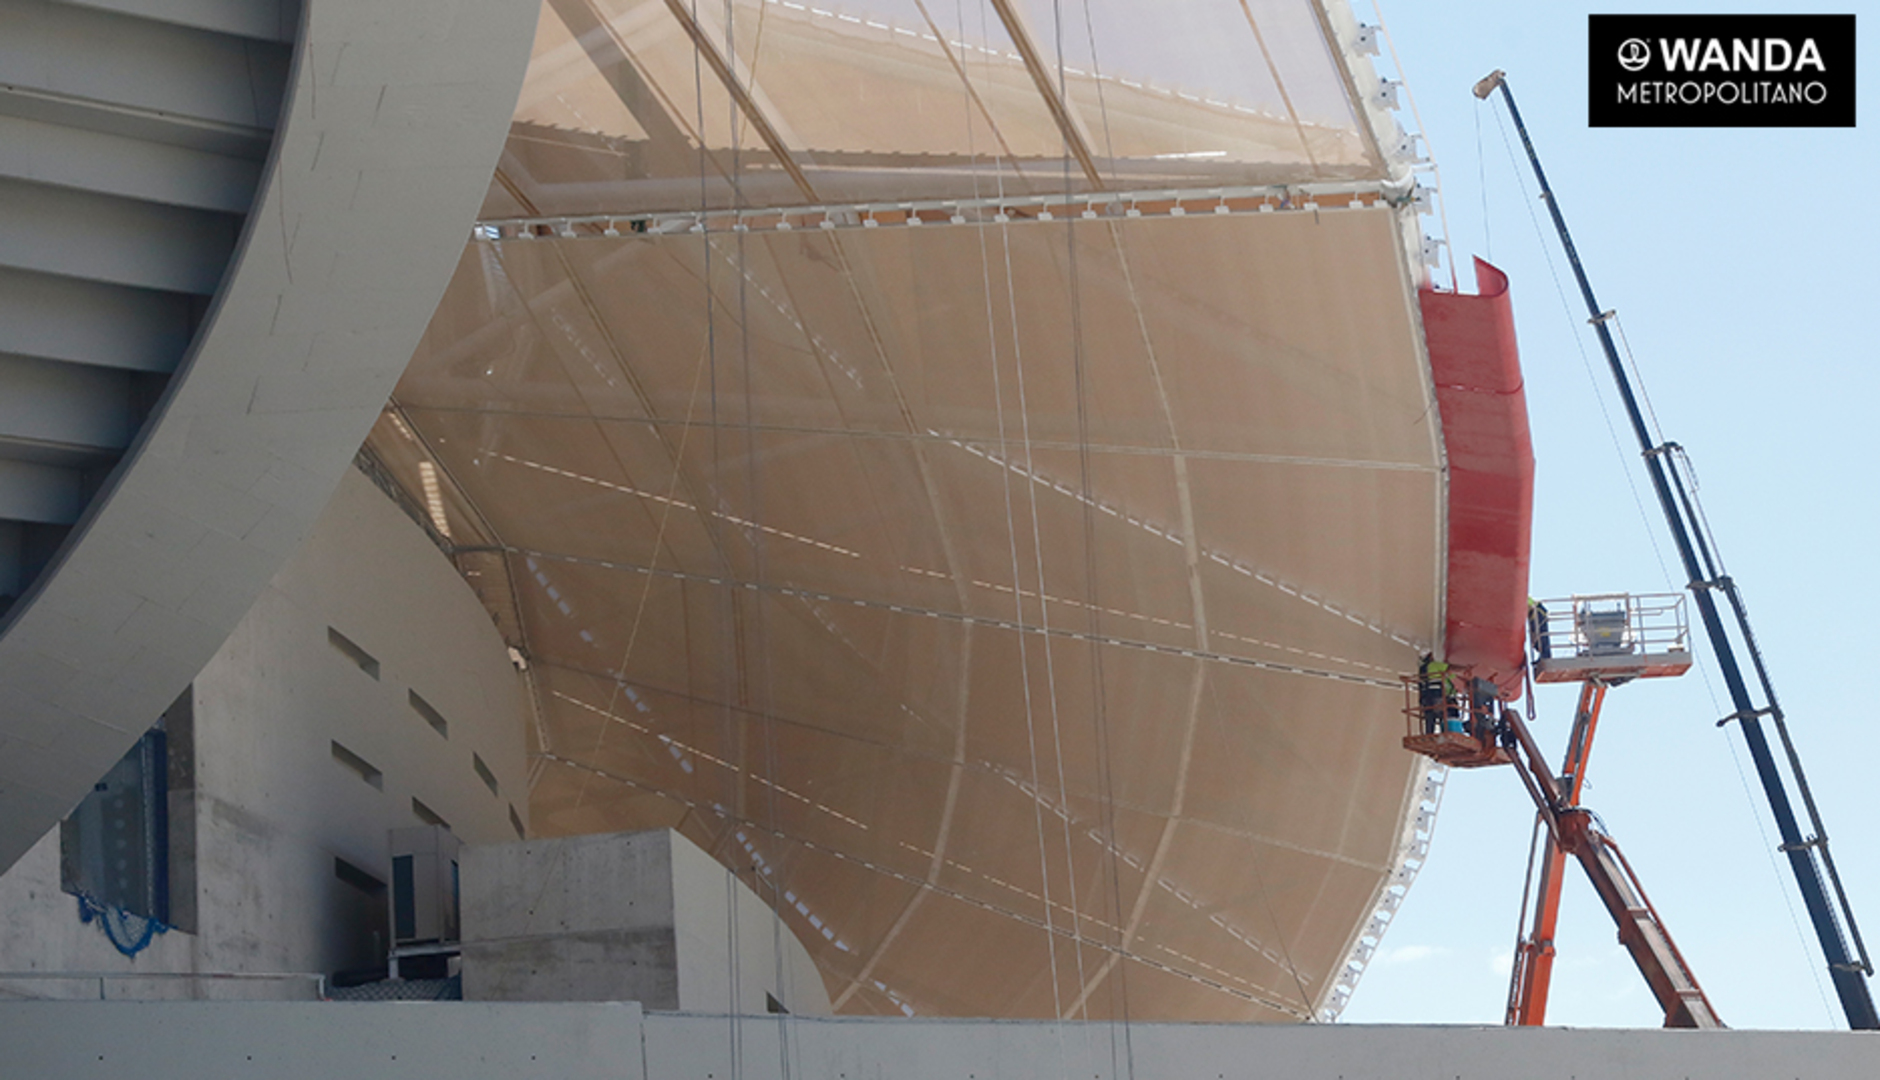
(1743, 266)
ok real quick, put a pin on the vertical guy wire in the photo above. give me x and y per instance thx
(1011, 532)
(729, 667)
(1106, 784)
(760, 650)
(1077, 369)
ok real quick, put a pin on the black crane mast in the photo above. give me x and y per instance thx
(1808, 856)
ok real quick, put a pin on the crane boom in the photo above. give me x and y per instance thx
(1809, 857)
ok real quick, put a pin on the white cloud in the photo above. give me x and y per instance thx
(1409, 954)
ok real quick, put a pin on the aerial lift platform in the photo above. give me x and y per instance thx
(1455, 718)
(1609, 638)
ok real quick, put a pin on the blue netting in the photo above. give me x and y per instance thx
(128, 933)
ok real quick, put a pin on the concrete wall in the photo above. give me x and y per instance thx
(394, 117)
(324, 1041)
(769, 958)
(274, 808)
(582, 918)
(644, 917)
(464, 1041)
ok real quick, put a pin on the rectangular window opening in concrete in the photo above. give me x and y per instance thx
(364, 769)
(483, 771)
(430, 715)
(179, 728)
(426, 814)
(114, 849)
(357, 878)
(347, 648)
(515, 822)
(404, 904)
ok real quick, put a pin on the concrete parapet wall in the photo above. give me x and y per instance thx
(583, 918)
(641, 916)
(569, 1041)
(320, 1041)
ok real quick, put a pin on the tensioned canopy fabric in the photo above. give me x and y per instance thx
(644, 105)
(1017, 598)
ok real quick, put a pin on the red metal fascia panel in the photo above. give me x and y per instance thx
(1491, 475)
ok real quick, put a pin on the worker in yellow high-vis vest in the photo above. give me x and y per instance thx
(1436, 691)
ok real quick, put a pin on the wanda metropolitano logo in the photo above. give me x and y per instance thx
(1635, 54)
(1720, 70)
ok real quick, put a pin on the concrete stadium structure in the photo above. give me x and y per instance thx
(964, 490)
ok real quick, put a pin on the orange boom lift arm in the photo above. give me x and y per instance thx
(1611, 639)
(1534, 952)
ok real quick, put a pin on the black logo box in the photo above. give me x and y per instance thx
(1730, 95)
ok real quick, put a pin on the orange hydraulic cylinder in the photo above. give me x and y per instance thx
(1535, 967)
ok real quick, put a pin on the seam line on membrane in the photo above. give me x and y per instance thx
(980, 766)
(975, 620)
(937, 436)
(1273, 1003)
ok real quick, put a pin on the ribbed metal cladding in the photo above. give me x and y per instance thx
(132, 139)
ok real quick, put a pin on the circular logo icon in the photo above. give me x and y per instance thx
(1634, 54)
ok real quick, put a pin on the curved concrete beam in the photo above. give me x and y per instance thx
(394, 122)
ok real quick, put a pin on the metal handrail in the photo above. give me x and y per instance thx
(1654, 622)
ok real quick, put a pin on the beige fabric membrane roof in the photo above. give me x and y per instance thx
(1019, 601)
(628, 105)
